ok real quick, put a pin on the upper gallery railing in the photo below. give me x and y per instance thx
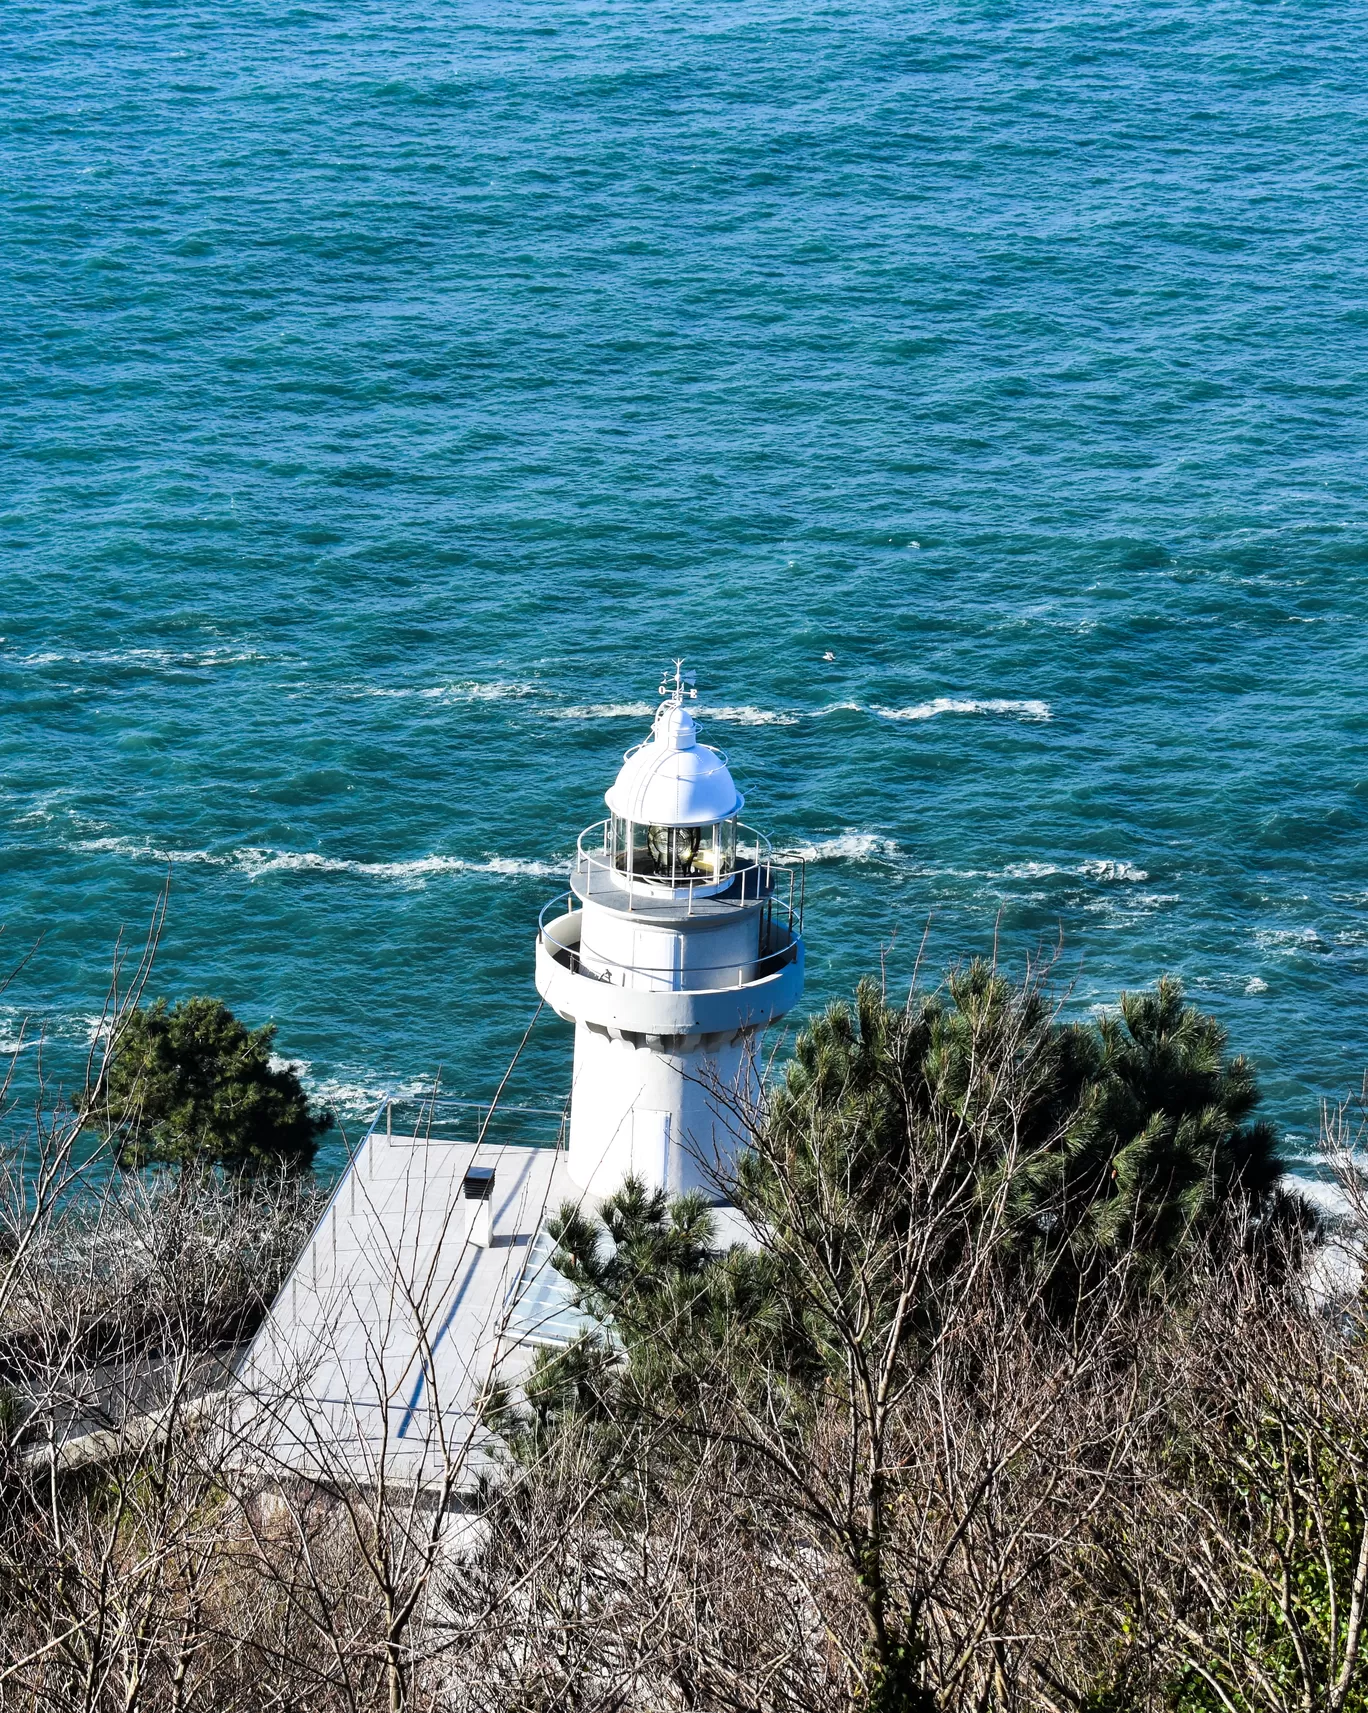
(753, 874)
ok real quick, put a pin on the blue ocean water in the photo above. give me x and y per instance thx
(388, 391)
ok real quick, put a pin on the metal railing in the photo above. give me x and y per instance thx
(600, 855)
(442, 1118)
(778, 947)
(752, 876)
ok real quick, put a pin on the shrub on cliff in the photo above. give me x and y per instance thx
(191, 1084)
(918, 1444)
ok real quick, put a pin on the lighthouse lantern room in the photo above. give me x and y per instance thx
(679, 941)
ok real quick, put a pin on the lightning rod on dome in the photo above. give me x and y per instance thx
(683, 685)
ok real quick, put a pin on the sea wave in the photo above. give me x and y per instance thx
(1290, 941)
(462, 690)
(19, 1031)
(748, 716)
(145, 851)
(603, 711)
(841, 847)
(356, 1096)
(738, 714)
(1034, 871)
(179, 659)
(1104, 869)
(1010, 707)
(28, 1029)
(256, 860)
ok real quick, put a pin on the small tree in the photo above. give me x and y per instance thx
(191, 1084)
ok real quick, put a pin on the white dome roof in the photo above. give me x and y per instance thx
(672, 780)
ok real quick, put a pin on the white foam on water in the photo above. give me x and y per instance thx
(533, 866)
(604, 711)
(27, 1030)
(1095, 868)
(1104, 868)
(1009, 707)
(145, 850)
(1256, 984)
(473, 691)
(843, 847)
(464, 690)
(256, 860)
(346, 1097)
(748, 716)
(1032, 870)
(19, 1032)
(351, 1097)
(1289, 940)
(1327, 1196)
(45, 808)
(180, 659)
(300, 1067)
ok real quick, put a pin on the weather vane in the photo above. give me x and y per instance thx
(683, 685)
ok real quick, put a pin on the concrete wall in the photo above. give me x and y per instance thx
(661, 957)
(634, 1109)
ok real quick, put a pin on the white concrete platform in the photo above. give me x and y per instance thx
(379, 1352)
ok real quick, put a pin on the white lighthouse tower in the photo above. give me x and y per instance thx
(431, 1269)
(679, 941)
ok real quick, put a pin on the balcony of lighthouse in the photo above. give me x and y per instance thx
(678, 959)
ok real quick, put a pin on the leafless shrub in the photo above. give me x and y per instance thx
(722, 1530)
(906, 1473)
(147, 1558)
(1238, 1541)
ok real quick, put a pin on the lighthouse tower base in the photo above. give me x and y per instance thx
(669, 1115)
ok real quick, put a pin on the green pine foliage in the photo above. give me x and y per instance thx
(1132, 1135)
(192, 1085)
(668, 1298)
(1135, 1133)
(1165, 1136)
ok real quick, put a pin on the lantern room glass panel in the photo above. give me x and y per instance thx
(672, 856)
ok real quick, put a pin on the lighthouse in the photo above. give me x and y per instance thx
(678, 942)
(432, 1268)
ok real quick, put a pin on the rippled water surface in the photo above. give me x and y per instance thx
(387, 391)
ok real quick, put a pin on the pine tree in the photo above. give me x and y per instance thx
(191, 1085)
(1134, 1132)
